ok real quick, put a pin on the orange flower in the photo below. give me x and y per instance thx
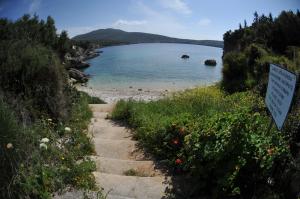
(178, 161)
(175, 141)
(270, 151)
(182, 130)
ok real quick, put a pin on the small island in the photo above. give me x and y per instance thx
(185, 57)
(210, 62)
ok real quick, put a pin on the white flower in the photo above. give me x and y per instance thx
(45, 140)
(68, 129)
(43, 146)
(9, 146)
(49, 120)
(270, 181)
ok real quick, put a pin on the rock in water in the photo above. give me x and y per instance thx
(185, 57)
(210, 62)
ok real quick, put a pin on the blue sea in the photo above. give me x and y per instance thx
(154, 66)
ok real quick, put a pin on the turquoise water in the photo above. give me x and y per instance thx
(154, 66)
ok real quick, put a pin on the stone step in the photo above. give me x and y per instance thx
(117, 197)
(132, 186)
(118, 149)
(104, 123)
(101, 107)
(113, 133)
(120, 167)
(100, 115)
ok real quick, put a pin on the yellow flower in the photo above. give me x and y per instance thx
(68, 129)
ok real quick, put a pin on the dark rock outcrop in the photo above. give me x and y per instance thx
(78, 63)
(78, 75)
(185, 57)
(210, 62)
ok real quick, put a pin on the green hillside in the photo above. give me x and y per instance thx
(138, 37)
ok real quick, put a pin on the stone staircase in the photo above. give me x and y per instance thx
(123, 170)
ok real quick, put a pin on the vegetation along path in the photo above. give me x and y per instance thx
(123, 169)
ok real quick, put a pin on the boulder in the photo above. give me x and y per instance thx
(210, 62)
(78, 75)
(185, 57)
(78, 63)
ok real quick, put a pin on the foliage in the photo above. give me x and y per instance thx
(217, 139)
(34, 171)
(234, 72)
(34, 74)
(267, 40)
(274, 33)
(43, 120)
(33, 30)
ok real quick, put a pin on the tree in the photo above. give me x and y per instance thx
(245, 23)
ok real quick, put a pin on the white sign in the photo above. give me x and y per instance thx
(280, 92)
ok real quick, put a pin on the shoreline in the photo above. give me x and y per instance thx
(114, 95)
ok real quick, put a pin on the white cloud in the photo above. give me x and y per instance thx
(34, 6)
(177, 5)
(204, 22)
(122, 22)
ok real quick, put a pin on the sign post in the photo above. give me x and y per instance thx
(280, 92)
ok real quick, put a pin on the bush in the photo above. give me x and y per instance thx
(32, 171)
(9, 141)
(34, 75)
(234, 72)
(220, 141)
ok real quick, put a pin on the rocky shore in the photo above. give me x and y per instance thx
(77, 61)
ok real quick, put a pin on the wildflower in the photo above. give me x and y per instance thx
(45, 140)
(49, 120)
(68, 129)
(43, 146)
(178, 161)
(182, 130)
(270, 151)
(270, 181)
(62, 158)
(9, 146)
(175, 141)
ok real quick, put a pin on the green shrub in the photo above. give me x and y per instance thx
(34, 75)
(234, 72)
(218, 140)
(35, 172)
(9, 141)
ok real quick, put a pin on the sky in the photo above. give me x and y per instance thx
(190, 19)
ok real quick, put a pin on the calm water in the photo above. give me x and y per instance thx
(154, 66)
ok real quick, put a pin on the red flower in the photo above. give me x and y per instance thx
(175, 141)
(178, 161)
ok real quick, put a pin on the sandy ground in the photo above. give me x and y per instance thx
(114, 95)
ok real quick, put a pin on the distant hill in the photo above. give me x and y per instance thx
(120, 36)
